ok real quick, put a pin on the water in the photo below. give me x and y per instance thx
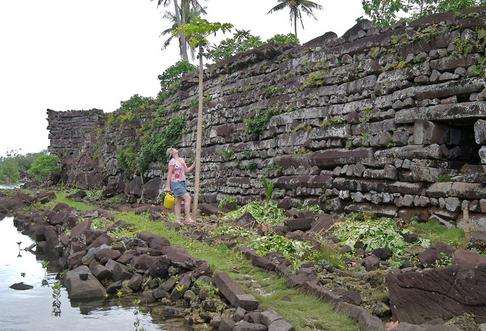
(10, 186)
(47, 306)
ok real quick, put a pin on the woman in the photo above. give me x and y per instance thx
(176, 182)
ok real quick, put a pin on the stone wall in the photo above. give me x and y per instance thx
(390, 121)
(68, 130)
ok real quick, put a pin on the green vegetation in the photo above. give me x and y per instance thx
(295, 251)
(228, 202)
(13, 165)
(435, 232)
(268, 186)
(372, 233)
(387, 12)
(155, 143)
(258, 123)
(170, 79)
(316, 79)
(332, 121)
(44, 167)
(127, 160)
(303, 311)
(264, 212)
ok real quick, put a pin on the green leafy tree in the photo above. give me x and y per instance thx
(9, 171)
(45, 166)
(387, 12)
(296, 8)
(243, 41)
(383, 12)
(170, 79)
(196, 33)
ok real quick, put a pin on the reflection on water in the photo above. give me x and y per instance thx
(46, 306)
(10, 186)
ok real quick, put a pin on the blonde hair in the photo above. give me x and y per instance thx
(169, 151)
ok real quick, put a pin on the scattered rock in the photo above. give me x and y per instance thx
(21, 286)
(79, 289)
(371, 262)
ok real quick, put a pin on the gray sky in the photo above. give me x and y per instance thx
(71, 54)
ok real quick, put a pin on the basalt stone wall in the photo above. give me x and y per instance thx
(68, 130)
(390, 121)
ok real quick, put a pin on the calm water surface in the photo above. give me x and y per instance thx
(46, 306)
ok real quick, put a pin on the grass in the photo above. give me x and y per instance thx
(436, 232)
(305, 312)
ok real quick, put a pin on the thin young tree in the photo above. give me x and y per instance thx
(196, 33)
(296, 8)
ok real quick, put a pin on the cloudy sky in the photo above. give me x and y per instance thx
(71, 54)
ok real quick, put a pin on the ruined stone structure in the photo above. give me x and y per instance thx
(391, 121)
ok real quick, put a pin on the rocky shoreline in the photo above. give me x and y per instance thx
(98, 265)
(438, 287)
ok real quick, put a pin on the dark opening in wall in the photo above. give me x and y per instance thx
(461, 144)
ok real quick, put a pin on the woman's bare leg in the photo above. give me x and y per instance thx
(177, 209)
(187, 207)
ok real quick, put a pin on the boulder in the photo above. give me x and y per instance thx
(371, 262)
(21, 286)
(246, 326)
(160, 268)
(437, 252)
(468, 259)
(80, 229)
(153, 241)
(233, 292)
(322, 223)
(143, 262)
(118, 270)
(179, 257)
(135, 283)
(108, 253)
(420, 296)
(79, 289)
(99, 271)
(303, 223)
(382, 253)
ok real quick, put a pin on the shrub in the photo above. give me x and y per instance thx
(284, 39)
(372, 232)
(257, 124)
(268, 186)
(243, 41)
(170, 79)
(156, 143)
(9, 171)
(127, 160)
(264, 212)
(44, 167)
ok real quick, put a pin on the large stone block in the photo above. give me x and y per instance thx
(427, 132)
(480, 132)
(420, 296)
(82, 285)
(233, 292)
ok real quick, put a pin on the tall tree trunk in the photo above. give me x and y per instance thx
(295, 23)
(200, 119)
(181, 37)
(184, 10)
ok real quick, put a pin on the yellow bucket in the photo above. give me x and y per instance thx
(169, 201)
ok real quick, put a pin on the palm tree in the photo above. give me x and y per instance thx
(184, 11)
(175, 22)
(296, 8)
